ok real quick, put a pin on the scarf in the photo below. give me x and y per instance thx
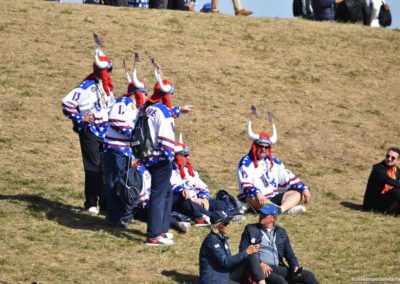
(391, 171)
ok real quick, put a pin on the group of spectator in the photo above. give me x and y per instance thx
(171, 193)
(374, 14)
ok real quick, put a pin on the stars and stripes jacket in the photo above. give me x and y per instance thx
(197, 187)
(121, 122)
(266, 180)
(88, 98)
(161, 125)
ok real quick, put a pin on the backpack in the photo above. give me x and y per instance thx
(129, 186)
(385, 16)
(232, 206)
(141, 142)
(302, 8)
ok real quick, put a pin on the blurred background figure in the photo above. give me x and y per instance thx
(237, 5)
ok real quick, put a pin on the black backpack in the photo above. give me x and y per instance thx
(385, 16)
(129, 186)
(302, 8)
(141, 142)
(232, 206)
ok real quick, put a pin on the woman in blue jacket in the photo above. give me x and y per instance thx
(218, 265)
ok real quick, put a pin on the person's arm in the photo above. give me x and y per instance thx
(70, 105)
(217, 252)
(380, 174)
(166, 136)
(288, 252)
(287, 180)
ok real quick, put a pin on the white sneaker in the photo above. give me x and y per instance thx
(168, 235)
(183, 226)
(93, 210)
(297, 210)
(159, 241)
(238, 219)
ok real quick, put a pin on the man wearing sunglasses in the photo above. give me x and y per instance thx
(264, 179)
(383, 188)
(275, 247)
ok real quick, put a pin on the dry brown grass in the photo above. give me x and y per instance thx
(333, 89)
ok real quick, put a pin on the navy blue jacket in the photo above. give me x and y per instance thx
(324, 10)
(252, 234)
(216, 259)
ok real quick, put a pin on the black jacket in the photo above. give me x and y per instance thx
(252, 234)
(377, 179)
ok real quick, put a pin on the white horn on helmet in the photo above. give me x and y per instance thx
(164, 88)
(253, 136)
(180, 138)
(100, 64)
(274, 136)
(136, 82)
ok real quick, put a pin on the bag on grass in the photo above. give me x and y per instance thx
(129, 186)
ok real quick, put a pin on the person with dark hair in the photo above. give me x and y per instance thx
(383, 189)
(324, 10)
(274, 248)
(87, 106)
(218, 265)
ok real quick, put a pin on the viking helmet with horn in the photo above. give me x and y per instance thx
(182, 150)
(136, 87)
(262, 138)
(163, 89)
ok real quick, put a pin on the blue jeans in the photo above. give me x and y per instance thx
(159, 211)
(115, 167)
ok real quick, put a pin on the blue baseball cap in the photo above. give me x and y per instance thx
(270, 209)
(220, 216)
(206, 8)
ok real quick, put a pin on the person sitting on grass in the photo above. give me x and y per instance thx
(264, 179)
(383, 188)
(218, 265)
(274, 248)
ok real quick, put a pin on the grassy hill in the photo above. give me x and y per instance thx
(333, 89)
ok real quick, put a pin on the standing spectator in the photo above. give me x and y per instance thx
(158, 4)
(274, 247)
(183, 5)
(324, 10)
(237, 5)
(138, 3)
(375, 8)
(117, 150)
(87, 106)
(161, 124)
(383, 188)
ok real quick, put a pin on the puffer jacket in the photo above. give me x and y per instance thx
(324, 10)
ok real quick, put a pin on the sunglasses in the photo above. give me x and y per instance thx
(265, 147)
(391, 158)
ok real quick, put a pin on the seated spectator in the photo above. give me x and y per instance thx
(217, 264)
(324, 10)
(264, 179)
(237, 5)
(383, 188)
(274, 248)
(138, 3)
(191, 194)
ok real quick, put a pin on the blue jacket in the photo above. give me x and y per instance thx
(216, 259)
(324, 10)
(252, 234)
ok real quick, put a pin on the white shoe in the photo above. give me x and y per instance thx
(238, 219)
(168, 236)
(93, 210)
(297, 210)
(159, 241)
(183, 226)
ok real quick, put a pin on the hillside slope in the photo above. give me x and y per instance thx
(333, 90)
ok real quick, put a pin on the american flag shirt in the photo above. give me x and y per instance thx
(121, 122)
(269, 182)
(161, 124)
(196, 186)
(87, 98)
